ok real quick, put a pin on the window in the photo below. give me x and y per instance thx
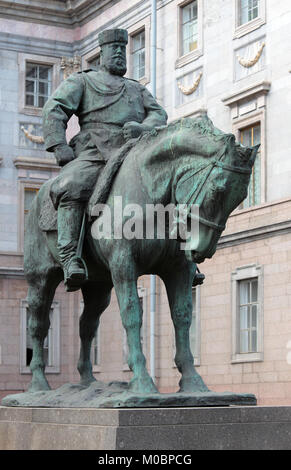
(38, 83)
(248, 10)
(189, 27)
(190, 32)
(249, 137)
(138, 55)
(96, 62)
(250, 15)
(39, 76)
(51, 343)
(247, 298)
(137, 52)
(248, 316)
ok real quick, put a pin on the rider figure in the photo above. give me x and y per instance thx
(111, 109)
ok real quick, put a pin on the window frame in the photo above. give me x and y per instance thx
(198, 52)
(55, 367)
(247, 122)
(23, 59)
(132, 37)
(241, 130)
(245, 28)
(90, 56)
(144, 25)
(36, 81)
(247, 107)
(243, 273)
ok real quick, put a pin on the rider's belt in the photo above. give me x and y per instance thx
(98, 125)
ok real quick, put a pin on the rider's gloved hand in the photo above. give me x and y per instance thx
(64, 154)
(132, 129)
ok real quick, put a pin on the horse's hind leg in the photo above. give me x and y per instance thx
(40, 296)
(179, 290)
(96, 299)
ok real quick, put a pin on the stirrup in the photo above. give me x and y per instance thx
(75, 280)
(198, 278)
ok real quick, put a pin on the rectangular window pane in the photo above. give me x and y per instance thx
(248, 10)
(248, 315)
(38, 84)
(189, 27)
(29, 100)
(249, 137)
(31, 70)
(138, 55)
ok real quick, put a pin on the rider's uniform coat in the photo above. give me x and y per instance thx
(103, 106)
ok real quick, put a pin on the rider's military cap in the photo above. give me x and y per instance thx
(113, 35)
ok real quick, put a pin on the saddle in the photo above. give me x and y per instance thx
(48, 214)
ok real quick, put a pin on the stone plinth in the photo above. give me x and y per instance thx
(145, 429)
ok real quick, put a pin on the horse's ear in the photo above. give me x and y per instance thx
(230, 139)
(254, 151)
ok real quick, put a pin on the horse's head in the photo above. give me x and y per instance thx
(216, 189)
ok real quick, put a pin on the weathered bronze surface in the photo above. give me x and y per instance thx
(187, 162)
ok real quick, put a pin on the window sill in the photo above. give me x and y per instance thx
(31, 111)
(248, 27)
(187, 58)
(144, 80)
(247, 357)
(197, 363)
(48, 370)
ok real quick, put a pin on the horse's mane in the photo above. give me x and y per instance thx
(202, 126)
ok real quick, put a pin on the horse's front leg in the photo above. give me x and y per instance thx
(96, 299)
(131, 316)
(179, 290)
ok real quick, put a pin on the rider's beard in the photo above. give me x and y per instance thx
(117, 67)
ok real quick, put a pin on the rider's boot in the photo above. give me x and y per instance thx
(69, 226)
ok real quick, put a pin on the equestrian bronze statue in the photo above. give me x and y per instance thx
(125, 149)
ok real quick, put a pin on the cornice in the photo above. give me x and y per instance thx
(68, 14)
(261, 88)
(11, 272)
(29, 163)
(253, 234)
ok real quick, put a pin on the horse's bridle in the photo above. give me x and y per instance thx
(195, 193)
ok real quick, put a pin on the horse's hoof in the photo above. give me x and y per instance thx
(192, 385)
(87, 382)
(39, 386)
(144, 386)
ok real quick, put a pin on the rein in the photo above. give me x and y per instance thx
(216, 163)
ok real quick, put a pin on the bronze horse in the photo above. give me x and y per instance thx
(187, 162)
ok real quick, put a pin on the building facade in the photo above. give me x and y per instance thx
(227, 58)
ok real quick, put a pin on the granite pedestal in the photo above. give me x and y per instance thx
(228, 428)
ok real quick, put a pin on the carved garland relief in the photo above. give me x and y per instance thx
(250, 63)
(191, 89)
